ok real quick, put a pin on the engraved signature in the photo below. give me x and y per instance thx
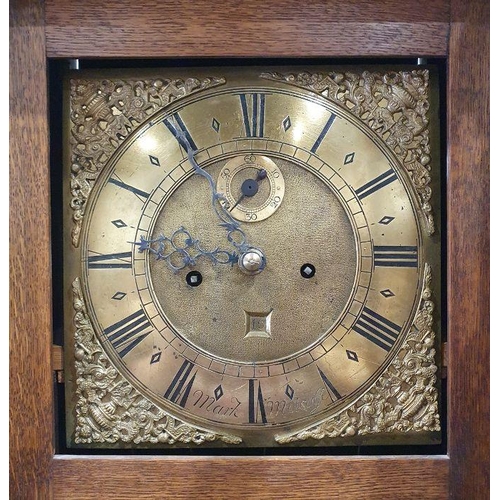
(297, 405)
(210, 404)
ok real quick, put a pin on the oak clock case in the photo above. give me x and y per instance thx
(249, 258)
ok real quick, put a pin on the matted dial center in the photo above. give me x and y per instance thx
(312, 226)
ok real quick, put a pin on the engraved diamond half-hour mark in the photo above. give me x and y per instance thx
(119, 295)
(386, 220)
(118, 223)
(349, 158)
(289, 392)
(154, 160)
(155, 358)
(352, 355)
(287, 123)
(218, 393)
(215, 125)
(387, 293)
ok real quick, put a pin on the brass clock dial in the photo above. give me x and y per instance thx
(233, 306)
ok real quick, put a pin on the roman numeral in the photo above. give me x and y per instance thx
(395, 256)
(128, 332)
(255, 403)
(376, 184)
(323, 133)
(132, 189)
(329, 386)
(121, 260)
(181, 126)
(253, 115)
(377, 329)
(179, 389)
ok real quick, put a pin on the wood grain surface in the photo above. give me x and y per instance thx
(468, 249)
(30, 415)
(332, 478)
(253, 28)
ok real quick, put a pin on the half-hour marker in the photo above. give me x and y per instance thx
(218, 392)
(329, 386)
(119, 295)
(180, 387)
(215, 125)
(376, 184)
(349, 158)
(253, 114)
(154, 160)
(386, 220)
(287, 123)
(395, 256)
(323, 133)
(125, 334)
(183, 128)
(377, 329)
(387, 293)
(256, 405)
(120, 260)
(352, 356)
(289, 392)
(155, 358)
(118, 223)
(132, 189)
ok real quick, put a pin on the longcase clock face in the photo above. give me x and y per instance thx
(249, 265)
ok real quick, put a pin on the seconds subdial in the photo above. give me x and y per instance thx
(253, 187)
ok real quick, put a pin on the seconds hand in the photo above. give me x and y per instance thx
(250, 187)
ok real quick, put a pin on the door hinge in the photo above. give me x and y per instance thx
(58, 363)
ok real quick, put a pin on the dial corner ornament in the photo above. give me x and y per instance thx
(249, 258)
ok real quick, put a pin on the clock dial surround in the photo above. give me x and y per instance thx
(255, 354)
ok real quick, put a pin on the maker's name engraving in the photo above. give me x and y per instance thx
(211, 405)
(296, 405)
